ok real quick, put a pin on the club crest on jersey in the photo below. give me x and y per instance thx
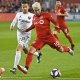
(29, 17)
(41, 21)
(20, 16)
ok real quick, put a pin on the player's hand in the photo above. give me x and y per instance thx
(59, 14)
(22, 30)
(11, 28)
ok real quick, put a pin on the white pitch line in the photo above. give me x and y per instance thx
(18, 77)
(37, 78)
(68, 78)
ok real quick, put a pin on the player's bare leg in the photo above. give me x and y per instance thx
(72, 46)
(62, 48)
(70, 40)
(25, 50)
(29, 58)
(55, 34)
(18, 57)
(66, 49)
(37, 53)
(28, 61)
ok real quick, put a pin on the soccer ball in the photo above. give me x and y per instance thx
(55, 73)
(2, 70)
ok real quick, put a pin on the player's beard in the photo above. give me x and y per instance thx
(38, 14)
(25, 11)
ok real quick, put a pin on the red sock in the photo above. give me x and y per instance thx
(28, 59)
(65, 49)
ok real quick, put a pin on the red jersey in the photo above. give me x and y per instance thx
(42, 24)
(60, 10)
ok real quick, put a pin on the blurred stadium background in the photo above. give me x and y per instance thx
(13, 6)
(69, 66)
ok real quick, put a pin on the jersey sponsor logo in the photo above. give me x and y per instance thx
(29, 17)
(41, 22)
(23, 20)
(19, 19)
(26, 21)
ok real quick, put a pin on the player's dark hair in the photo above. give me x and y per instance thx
(24, 2)
(58, 0)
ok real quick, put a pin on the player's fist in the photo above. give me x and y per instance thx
(24, 30)
(59, 14)
(11, 28)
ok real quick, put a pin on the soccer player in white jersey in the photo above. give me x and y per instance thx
(24, 20)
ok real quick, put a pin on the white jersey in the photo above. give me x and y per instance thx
(23, 21)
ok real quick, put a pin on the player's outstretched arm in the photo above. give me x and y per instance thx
(51, 18)
(30, 28)
(14, 22)
(63, 14)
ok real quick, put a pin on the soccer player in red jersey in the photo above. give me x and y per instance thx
(41, 22)
(61, 13)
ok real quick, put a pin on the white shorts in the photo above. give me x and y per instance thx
(23, 38)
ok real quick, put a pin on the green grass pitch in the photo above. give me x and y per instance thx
(69, 65)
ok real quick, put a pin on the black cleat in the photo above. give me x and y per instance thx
(39, 58)
(72, 46)
(13, 70)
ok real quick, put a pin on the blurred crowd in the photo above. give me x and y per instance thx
(13, 6)
(9, 6)
(73, 8)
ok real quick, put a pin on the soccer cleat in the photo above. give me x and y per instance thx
(39, 58)
(23, 69)
(71, 52)
(13, 70)
(72, 46)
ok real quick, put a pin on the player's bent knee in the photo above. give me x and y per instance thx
(19, 47)
(32, 50)
(67, 34)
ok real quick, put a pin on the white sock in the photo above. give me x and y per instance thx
(17, 58)
(36, 53)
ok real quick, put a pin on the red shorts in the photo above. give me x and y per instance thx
(62, 27)
(51, 41)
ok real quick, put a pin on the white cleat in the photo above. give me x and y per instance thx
(71, 52)
(23, 69)
(13, 70)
